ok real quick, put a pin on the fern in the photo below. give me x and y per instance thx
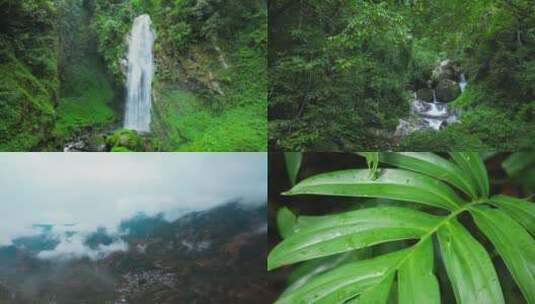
(436, 191)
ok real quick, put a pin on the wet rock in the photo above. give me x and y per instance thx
(447, 90)
(446, 70)
(425, 94)
(405, 128)
(420, 106)
(76, 146)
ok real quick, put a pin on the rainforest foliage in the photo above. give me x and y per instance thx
(62, 77)
(341, 72)
(409, 227)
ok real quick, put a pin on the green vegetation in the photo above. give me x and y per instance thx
(186, 123)
(422, 228)
(87, 103)
(233, 122)
(211, 70)
(341, 73)
(28, 73)
(62, 74)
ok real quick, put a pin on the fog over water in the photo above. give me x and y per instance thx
(82, 192)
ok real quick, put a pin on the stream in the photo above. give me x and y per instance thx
(429, 115)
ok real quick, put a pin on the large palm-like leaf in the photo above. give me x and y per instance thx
(336, 271)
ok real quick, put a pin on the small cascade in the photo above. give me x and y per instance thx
(139, 75)
(432, 114)
(462, 82)
(427, 113)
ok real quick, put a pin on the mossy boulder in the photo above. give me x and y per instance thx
(446, 70)
(124, 140)
(447, 90)
(120, 149)
(425, 94)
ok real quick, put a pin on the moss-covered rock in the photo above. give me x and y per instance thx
(120, 149)
(425, 94)
(124, 140)
(447, 90)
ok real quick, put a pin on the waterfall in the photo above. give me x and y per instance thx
(139, 75)
(462, 82)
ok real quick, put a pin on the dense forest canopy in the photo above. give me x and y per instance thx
(342, 73)
(62, 74)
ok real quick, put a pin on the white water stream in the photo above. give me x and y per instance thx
(435, 114)
(462, 82)
(139, 75)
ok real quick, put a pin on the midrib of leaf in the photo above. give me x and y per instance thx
(426, 236)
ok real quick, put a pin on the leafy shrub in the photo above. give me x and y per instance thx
(184, 123)
(527, 112)
(453, 138)
(423, 61)
(432, 217)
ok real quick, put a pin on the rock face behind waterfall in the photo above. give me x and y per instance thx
(140, 69)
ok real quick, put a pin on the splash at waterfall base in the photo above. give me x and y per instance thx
(429, 107)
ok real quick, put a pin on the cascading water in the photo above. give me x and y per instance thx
(139, 75)
(433, 114)
(462, 82)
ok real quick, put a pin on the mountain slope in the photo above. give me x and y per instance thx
(213, 256)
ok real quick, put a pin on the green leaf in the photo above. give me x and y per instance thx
(310, 269)
(379, 293)
(285, 222)
(473, 165)
(518, 162)
(416, 281)
(520, 210)
(468, 265)
(390, 183)
(293, 163)
(513, 243)
(332, 234)
(433, 165)
(344, 282)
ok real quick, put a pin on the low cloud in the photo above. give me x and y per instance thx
(73, 247)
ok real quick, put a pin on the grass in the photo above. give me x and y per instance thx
(85, 101)
(234, 122)
(187, 124)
